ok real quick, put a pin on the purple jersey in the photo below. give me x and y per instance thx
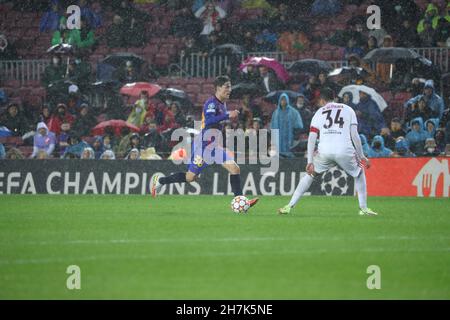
(214, 111)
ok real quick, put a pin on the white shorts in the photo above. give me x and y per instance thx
(348, 163)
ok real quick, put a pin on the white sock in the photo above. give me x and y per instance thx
(361, 189)
(302, 187)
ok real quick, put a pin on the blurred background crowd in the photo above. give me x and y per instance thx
(136, 70)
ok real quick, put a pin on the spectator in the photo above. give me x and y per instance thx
(107, 143)
(63, 138)
(179, 114)
(210, 13)
(266, 41)
(394, 133)
(310, 88)
(285, 118)
(116, 36)
(139, 110)
(50, 19)
(402, 77)
(14, 154)
(185, 24)
(92, 18)
(54, 72)
(251, 74)
(439, 137)
(43, 140)
(434, 101)
(168, 122)
(417, 136)
(269, 81)
(384, 70)
(324, 82)
(427, 37)
(407, 35)
(128, 73)
(347, 98)
(326, 7)
(378, 150)
(2, 152)
(85, 121)
(45, 114)
(133, 154)
(124, 143)
(431, 126)
(7, 49)
(97, 146)
(88, 154)
(59, 117)
(74, 100)
(442, 34)
(14, 120)
(365, 144)
(108, 155)
(306, 114)
(132, 24)
(431, 16)
(80, 73)
(76, 147)
(372, 44)
(402, 149)
(370, 119)
(430, 149)
(353, 49)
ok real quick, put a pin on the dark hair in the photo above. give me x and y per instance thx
(327, 94)
(220, 81)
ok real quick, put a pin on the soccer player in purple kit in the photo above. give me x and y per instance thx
(214, 112)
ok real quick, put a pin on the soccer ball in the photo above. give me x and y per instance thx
(335, 182)
(240, 204)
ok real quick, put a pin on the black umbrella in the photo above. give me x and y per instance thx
(349, 72)
(174, 94)
(243, 88)
(228, 49)
(312, 66)
(118, 59)
(274, 96)
(392, 55)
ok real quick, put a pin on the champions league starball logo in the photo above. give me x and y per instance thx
(335, 182)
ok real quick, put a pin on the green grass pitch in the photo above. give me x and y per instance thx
(194, 247)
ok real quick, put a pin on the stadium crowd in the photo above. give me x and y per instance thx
(68, 124)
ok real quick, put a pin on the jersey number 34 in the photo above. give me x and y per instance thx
(337, 119)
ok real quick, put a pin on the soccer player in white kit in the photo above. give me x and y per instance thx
(339, 144)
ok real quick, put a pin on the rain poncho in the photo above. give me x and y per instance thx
(380, 152)
(286, 121)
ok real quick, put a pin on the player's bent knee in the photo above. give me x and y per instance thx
(190, 177)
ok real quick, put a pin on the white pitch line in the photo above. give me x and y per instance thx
(212, 254)
(175, 240)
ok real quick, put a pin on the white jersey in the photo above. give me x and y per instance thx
(333, 122)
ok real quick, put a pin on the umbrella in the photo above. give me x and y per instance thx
(392, 55)
(60, 48)
(312, 66)
(243, 88)
(274, 96)
(349, 73)
(118, 59)
(354, 90)
(228, 49)
(273, 64)
(117, 126)
(174, 94)
(134, 89)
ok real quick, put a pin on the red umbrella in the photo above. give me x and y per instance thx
(134, 89)
(117, 126)
(270, 63)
